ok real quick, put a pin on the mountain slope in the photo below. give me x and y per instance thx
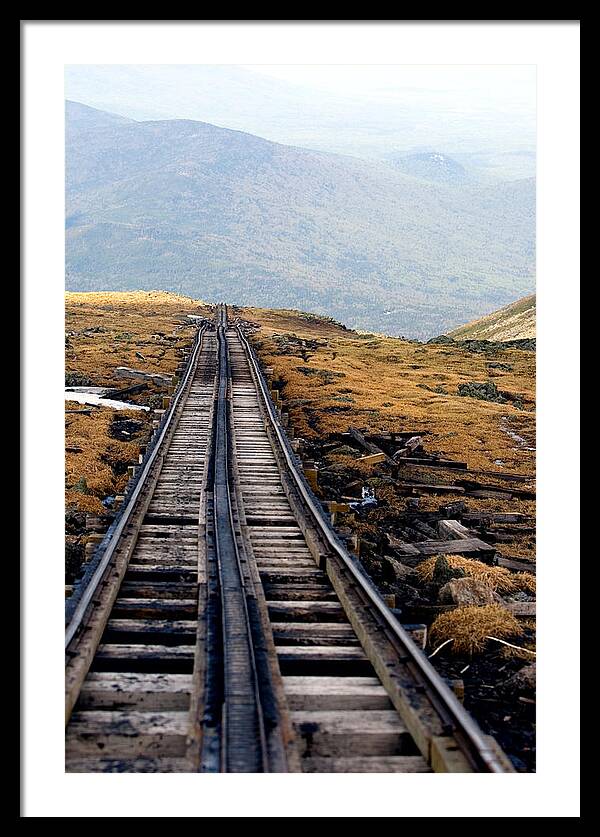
(207, 211)
(514, 322)
(431, 165)
(364, 121)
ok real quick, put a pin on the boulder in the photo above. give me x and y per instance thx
(523, 682)
(468, 591)
(397, 570)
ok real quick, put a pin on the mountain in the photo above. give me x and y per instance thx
(491, 115)
(206, 211)
(513, 322)
(431, 165)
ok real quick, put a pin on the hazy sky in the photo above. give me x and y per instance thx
(508, 84)
(365, 110)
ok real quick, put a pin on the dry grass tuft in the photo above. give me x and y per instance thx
(498, 579)
(469, 627)
(526, 582)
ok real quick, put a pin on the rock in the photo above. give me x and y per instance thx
(344, 450)
(483, 392)
(396, 570)
(468, 591)
(443, 572)
(506, 367)
(77, 379)
(442, 339)
(521, 682)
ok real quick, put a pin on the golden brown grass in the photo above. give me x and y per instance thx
(498, 579)
(152, 324)
(470, 627)
(89, 474)
(390, 382)
(391, 385)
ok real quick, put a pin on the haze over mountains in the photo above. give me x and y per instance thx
(482, 116)
(215, 213)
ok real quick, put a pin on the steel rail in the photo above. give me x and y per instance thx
(479, 751)
(247, 751)
(91, 587)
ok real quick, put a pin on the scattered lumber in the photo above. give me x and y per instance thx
(456, 508)
(502, 475)
(514, 564)
(490, 495)
(521, 608)
(154, 377)
(372, 449)
(473, 485)
(451, 530)
(410, 446)
(120, 393)
(493, 517)
(373, 458)
(397, 435)
(414, 553)
(421, 461)
(427, 613)
(432, 488)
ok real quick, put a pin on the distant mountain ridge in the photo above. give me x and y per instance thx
(513, 322)
(431, 165)
(206, 211)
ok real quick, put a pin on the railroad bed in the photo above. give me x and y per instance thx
(226, 629)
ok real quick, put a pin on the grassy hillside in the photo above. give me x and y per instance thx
(104, 331)
(513, 322)
(210, 212)
(339, 377)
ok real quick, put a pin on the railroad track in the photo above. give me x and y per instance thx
(223, 627)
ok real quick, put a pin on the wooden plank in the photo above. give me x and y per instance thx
(371, 448)
(366, 764)
(514, 564)
(127, 733)
(424, 462)
(140, 608)
(312, 693)
(142, 691)
(321, 652)
(521, 608)
(165, 764)
(176, 629)
(372, 458)
(489, 495)
(112, 652)
(474, 485)
(298, 592)
(464, 546)
(494, 517)
(155, 377)
(343, 733)
(313, 633)
(452, 530)
(431, 488)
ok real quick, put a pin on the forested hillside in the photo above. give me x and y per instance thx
(210, 212)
